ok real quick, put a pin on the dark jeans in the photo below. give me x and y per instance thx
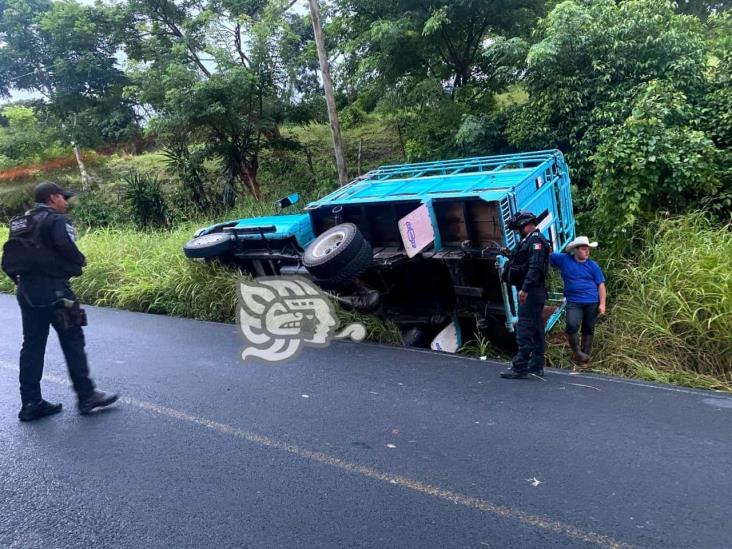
(581, 313)
(36, 323)
(530, 333)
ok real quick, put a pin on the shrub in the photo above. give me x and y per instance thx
(146, 202)
(96, 209)
(654, 161)
(352, 116)
(14, 202)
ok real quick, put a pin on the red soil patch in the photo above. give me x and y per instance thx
(35, 169)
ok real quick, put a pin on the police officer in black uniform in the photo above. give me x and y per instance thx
(45, 300)
(527, 271)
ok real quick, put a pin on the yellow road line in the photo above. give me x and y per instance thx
(416, 486)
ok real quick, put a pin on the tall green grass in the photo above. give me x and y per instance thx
(672, 318)
(147, 272)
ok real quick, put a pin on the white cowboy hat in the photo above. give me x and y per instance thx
(579, 241)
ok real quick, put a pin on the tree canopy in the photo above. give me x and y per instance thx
(66, 52)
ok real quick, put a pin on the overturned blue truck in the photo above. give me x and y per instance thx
(422, 245)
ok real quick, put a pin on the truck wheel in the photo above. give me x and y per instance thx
(209, 245)
(333, 251)
(351, 270)
(416, 337)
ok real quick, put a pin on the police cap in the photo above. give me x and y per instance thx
(520, 219)
(46, 188)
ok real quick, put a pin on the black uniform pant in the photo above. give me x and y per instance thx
(530, 333)
(36, 326)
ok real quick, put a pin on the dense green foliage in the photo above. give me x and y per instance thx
(430, 65)
(66, 53)
(631, 91)
(636, 93)
(23, 140)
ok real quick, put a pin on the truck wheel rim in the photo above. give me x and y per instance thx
(329, 244)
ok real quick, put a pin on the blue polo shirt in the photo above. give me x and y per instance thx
(580, 279)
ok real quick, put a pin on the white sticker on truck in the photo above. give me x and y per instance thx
(416, 230)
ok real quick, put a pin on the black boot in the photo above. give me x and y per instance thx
(577, 354)
(538, 371)
(515, 374)
(97, 399)
(587, 345)
(37, 410)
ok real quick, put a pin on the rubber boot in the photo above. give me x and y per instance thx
(587, 345)
(577, 355)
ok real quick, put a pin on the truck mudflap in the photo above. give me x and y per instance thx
(449, 340)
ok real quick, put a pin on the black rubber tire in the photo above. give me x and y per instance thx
(416, 337)
(209, 246)
(355, 268)
(332, 264)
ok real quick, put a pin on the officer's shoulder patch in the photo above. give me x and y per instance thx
(538, 246)
(71, 232)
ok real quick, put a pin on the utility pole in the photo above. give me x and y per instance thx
(335, 127)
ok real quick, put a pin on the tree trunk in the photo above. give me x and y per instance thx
(335, 127)
(82, 168)
(248, 174)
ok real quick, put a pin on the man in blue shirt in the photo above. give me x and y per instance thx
(584, 288)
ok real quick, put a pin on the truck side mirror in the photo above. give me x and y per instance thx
(294, 198)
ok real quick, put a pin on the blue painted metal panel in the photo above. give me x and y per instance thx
(556, 315)
(438, 238)
(451, 178)
(286, 226)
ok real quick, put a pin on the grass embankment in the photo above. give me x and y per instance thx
(670, 317)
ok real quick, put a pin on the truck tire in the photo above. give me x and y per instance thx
(353, 269)
(333, 251)
(416, 337)
(209, 246)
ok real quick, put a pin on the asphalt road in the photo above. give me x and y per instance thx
(351, 446)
